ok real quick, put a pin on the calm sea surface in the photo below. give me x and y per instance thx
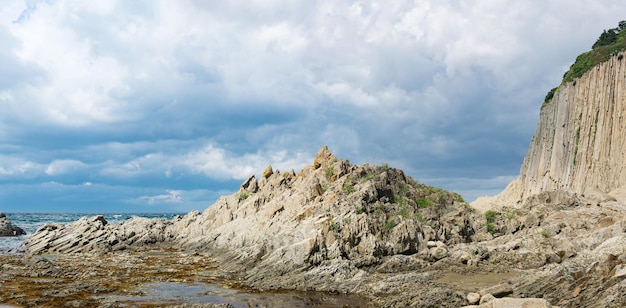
(30, 222)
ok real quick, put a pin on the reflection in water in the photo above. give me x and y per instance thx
(162, 293)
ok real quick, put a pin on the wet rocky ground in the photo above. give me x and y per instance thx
(146, 279)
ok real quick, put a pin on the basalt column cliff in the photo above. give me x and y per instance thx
(580, 142)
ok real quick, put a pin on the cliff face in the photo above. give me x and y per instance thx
(580, 141)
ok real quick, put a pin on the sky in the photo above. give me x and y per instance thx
(163, 106)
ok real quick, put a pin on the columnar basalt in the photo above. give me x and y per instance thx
(580, 142)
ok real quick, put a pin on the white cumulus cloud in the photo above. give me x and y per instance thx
(64, 166)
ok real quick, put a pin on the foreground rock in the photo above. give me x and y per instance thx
(9, 229)
(96, 235)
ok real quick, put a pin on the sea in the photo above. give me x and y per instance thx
(30, 222)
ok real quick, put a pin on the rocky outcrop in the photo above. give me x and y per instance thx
(9, 229)
(331, 210)
(96, 235)
(579, 142)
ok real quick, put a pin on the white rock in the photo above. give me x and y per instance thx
(473, 298)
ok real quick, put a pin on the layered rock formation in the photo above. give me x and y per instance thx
(329, 210)
(579, 145)
(9, 229)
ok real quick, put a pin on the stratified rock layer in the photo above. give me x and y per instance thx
(330, 210)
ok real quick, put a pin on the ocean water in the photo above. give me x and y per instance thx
(30, 222)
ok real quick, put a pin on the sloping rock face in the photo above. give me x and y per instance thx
(96, 235)
(330, 210)
(579, 145)
(9, 229)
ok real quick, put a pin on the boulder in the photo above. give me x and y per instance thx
(439, 253)
(473, 298)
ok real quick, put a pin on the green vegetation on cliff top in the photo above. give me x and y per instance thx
(609, 44)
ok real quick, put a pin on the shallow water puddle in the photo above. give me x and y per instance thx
(170, 293)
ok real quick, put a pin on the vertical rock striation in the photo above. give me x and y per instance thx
(580, 141)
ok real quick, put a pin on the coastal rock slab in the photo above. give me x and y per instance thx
(499, 290)
(515, 303)
(96, 235)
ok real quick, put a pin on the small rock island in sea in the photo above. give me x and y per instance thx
(554, 236)
(9, 229)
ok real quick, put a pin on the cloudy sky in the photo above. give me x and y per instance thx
(149, 106)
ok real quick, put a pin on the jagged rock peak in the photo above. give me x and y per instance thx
(323, 158)
(268, 172)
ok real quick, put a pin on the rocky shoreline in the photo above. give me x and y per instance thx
(130, 280)
(366, 231)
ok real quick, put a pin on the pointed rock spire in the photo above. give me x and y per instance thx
(323, 158)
